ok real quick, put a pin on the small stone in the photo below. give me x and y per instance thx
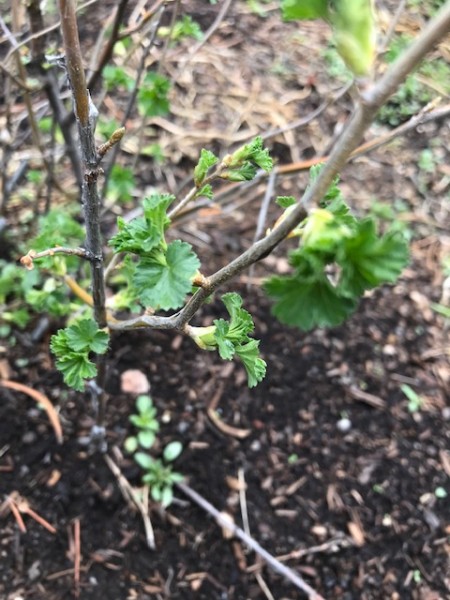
(344, 425)
(446, 413)
(29, 437)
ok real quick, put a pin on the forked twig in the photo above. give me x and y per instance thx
(19, 506)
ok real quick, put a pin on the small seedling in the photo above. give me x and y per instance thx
(415, 402)
(440, 493)
(158, 473)
(145, 420)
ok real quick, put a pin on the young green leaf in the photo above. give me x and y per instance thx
(172, 451)
(146, 439)
(253, 363)
(246, 172)
(152, 95)
(144, 404)
(143, 234)
(368, 260)
(144, 460)
(308, 302)
(205, 191)
(131, 444)
(254, 153)
(85, 336)
(323, 232)
(166, 496)
(75, 368)
(304, 9)
(353, 24)
(162, 280)
(232, 337)
(207, 160)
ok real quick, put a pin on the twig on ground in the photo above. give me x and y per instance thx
(41, 399)
(250, 542)
(370, 399)
(77, 556)
(19, 506)
(246, 525)
(136, 498)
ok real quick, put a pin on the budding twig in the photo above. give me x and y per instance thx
(28, 260)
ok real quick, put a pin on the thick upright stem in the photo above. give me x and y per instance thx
(86, 114)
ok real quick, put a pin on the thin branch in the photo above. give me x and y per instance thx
(31, 255)
(250, 542)
(133, 94)
(44, 32)
(109, 47)
(371, 99)
(392, 26)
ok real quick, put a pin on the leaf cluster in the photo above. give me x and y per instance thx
(162, 276)
(353, 25)
(72, 347)
(145, 422)
(339, 257)
(243, 164)
(232, 338)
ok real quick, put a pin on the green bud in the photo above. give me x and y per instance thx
(353, 24)
(204, 337)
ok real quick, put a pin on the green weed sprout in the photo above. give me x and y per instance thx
(158, 473)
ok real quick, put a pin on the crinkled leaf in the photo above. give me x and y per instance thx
(323, 231)
(246, 172)
(224, 345)
(253, 363)
(75, 368)
(232, 337)
(205, 191)
(143, 234)
(152, 95)
(308, 303)
(85, 336)
(304, 9)
(253, 152)
(368, 260)
(228, 334)
(162, 280)
(207, 160)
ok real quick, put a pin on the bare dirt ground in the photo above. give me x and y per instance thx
(341, 472)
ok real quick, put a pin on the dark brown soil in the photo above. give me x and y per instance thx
(343, 479)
